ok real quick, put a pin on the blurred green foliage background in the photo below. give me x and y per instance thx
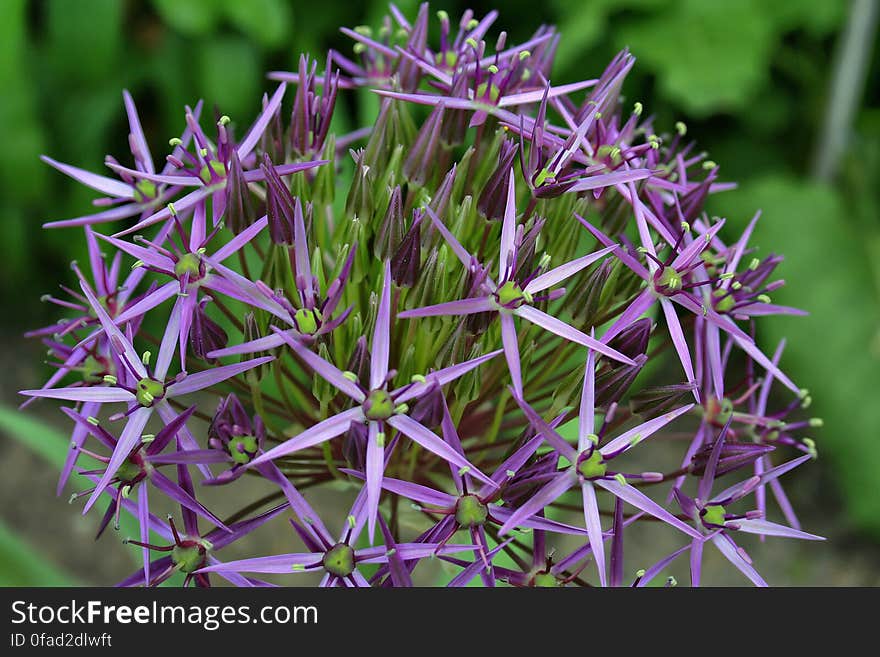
(763, 87)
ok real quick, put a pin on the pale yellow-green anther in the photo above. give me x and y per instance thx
(352, 521)
(671, 581)
(510, 473)
(224, 120)
(137, 263)
(443, 15)
(359, 48)
(145, 358)
(126, 491)
(492, 69)
(109, 378)
(524, 54)
(763, 298)
(175, 142)
(593, 438)
(380, 439)
(681, 128)
(148, 437)
(753, 265)
(685, 226)
(91, 419)
(418, 378)
(351, 376)
(401, 409)
(472, 24)
(736, 285)
(463, 471)
(298, 567)
(363, 30)
(709, 164)
(172, 209)
(810, 444)
(203, 152)
(640, 573)
(726, 276)
(472, 42)
(620, 479)
(638, 108)
(817, 422)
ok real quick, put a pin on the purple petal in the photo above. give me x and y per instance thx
(594, 529)
(548, 494)
(678, 339)
(641, 501)
(571, 334)
(281, 564)
(767, 528)
(416, 432)
(381, 344)
(247, 144)
(207, 378)
(728, 549)
(103, 184)
(324, 430)
(129, 438)
(461, 307)
(644, 430)
(322, 368)
(442, 377)
(608, 179)
(374, 469)
(137, 134)
(83, 394)
(237, 242)
(587, 411)
(511, 352)
(562, 272)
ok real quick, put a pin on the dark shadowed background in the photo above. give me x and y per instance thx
(784, 95)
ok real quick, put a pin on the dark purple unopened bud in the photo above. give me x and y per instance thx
(354, 446)
(408, 71)
(232, 431)
(493, 198)
(360, 202)
(616, 378)
(206, 335)
(656, 400)
(359, 363)
(586, 300)
(391, 230)
(311, 115)
(239, 207)
(251, 332)
(428, 410)
(455, 123)
(422, 158)
(280, 205)
(406, 261)
(734, 455)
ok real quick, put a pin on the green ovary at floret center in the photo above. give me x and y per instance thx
(148, 391)
(378, 405)
(339, 560)
(511, 295)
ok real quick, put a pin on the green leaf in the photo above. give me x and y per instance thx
(835, 352)
(265, 21)
(191, 17)
(38, 436)
(708, 56)
(23, 565)
(230, 77)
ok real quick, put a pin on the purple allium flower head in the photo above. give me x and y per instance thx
(338, 301)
